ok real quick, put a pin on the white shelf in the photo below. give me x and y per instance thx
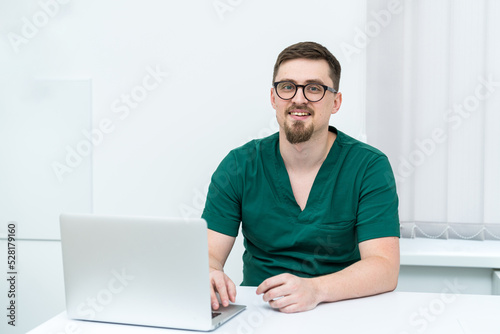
(450, 253)
(496, 283)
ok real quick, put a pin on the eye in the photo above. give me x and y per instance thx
(315, 88)
(286, 86)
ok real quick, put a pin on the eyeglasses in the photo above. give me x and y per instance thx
(313, 92)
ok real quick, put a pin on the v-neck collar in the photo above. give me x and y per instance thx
(285, 186)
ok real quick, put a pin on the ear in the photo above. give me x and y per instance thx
(273, 98)
(337, 102)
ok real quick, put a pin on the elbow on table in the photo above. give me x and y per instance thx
(389, 277)
(392, 284)
(392, 281)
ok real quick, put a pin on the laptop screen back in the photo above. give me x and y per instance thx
(136, 270)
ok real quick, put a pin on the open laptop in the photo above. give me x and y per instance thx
(139, 270)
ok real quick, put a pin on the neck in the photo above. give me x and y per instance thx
(308, 155)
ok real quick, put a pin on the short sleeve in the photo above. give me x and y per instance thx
(223, 206)
(377, 214)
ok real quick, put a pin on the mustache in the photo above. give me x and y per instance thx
(299, 107)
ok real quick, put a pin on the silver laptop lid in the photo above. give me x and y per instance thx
(137, 270)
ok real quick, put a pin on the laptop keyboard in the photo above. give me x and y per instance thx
(215, 314)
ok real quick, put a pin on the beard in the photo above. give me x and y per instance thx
(297, 132)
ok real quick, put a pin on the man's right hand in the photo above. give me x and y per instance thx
(219, 246)
(224, 286)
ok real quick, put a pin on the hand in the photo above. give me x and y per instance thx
(221, 283)
(290, 293)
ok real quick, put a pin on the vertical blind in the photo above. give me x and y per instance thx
(433, 106)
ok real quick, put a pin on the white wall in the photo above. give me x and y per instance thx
(67, 67)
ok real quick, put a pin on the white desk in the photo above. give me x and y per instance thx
(390, 313)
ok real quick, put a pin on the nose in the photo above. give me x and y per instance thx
(300, 97)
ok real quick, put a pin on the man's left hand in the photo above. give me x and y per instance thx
(290, 293)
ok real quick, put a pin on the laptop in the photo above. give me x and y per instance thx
(147, 271)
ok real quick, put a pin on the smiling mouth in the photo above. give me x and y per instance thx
(294, 113)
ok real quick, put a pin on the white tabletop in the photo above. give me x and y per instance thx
(393, 312)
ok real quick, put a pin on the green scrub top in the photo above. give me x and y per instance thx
(353, 199)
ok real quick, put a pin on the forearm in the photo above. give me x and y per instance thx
(376, 272)
(366, 277)
(219, 246)
(215, 264)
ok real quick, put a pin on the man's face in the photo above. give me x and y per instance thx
(299, 118)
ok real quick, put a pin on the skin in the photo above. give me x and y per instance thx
(378, 269)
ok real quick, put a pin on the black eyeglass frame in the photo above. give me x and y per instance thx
(325, 87)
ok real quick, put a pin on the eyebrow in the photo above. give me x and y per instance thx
(307, 81)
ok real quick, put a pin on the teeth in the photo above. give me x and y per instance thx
(300, 113)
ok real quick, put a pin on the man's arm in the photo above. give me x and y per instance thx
(376, 272)
(219, 247)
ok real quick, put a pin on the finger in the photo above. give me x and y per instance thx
(220, 285)
(292, 308)
(271, 283)
(281, 303)
(231, 290)
(213, 298)
(275, 293)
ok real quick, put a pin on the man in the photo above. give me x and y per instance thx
(318, 208)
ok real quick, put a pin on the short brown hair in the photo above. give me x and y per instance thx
(310, 50)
